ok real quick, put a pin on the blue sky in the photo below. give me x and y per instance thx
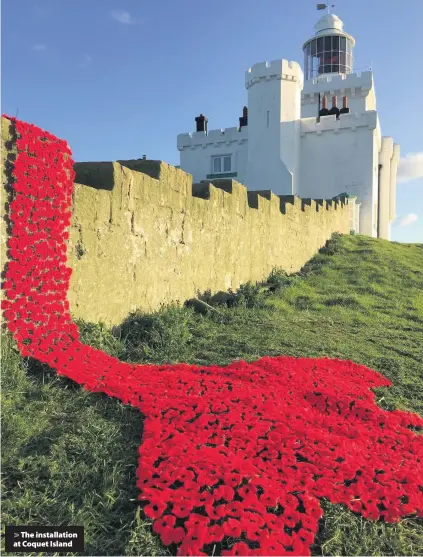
(119, 79)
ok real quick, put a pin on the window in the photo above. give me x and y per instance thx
(221, 164)
(329, 54)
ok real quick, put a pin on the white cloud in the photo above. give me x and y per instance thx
(122, 17)
(407, 220)
(410, 167)
(39, 47)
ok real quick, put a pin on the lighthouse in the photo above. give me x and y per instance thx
(342, 148)
(311, 131)
(330, 50)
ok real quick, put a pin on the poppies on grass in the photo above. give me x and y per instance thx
(241, 468)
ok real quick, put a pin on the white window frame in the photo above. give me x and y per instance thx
(221, 157)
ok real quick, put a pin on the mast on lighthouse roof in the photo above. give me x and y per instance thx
(330, 50)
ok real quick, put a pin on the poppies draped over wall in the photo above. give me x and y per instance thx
(234, 459)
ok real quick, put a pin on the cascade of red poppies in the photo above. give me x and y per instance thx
(234, 459)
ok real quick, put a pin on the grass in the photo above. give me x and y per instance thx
(69, 457)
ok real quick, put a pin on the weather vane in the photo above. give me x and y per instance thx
(325, 6)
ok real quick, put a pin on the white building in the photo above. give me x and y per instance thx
(286, 143)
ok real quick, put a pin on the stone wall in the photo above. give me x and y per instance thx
(143, 235)
(7, 149)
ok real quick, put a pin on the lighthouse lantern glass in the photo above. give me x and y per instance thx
(329, 54)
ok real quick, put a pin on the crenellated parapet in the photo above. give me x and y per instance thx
(108, 176)
(275, 70)
(352, 85)
(265, 200)
(351, 122)
(219, 137)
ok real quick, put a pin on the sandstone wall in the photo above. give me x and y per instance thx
(142, 235)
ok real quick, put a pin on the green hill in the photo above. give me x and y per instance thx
(70, 456)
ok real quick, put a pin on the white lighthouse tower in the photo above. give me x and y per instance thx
(314, 133)
(341, 145)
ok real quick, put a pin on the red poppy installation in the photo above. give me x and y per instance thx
(235, 459)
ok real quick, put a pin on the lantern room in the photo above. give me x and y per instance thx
(330, 50)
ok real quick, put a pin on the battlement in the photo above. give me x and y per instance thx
(274, 70)
(350, 121)
(224, 136)
(144, 235)
(109, 176)
(265, 199)
(351, 85)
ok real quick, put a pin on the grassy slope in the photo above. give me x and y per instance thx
(70, 456)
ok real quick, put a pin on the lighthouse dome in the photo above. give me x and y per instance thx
(329, 50)
(329, 23)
